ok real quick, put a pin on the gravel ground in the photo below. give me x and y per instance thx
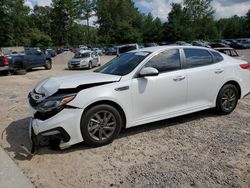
(196, 150)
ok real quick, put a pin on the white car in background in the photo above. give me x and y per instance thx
(84, 59)
(138, 87)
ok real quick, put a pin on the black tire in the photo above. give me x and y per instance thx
(86, 125)
(48, 64)
(227, 99)
(20, 71)
(90, 65)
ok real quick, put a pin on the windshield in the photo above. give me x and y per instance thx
(82, 55)
(123, 64)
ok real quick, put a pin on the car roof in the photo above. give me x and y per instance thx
(125, 45)
(85, 51)
(224, 48)
(161, 48)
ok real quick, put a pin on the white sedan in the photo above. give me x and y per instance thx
(84, 59)
(138, 87)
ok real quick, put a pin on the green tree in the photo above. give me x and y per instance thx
(201, 13)
(119, 21)
(40, 18)
(152, 28)
(179, 26)
(14, 25)
(247, 25)
(39, 38)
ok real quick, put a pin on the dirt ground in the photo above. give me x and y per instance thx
(196, 150)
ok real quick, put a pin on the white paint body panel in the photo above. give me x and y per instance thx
(147, 99)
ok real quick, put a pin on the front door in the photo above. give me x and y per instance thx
(159, 97)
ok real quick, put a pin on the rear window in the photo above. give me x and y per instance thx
(197, 57)
(217, 56)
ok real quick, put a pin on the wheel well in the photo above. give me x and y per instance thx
(113, 104)
(236, 85)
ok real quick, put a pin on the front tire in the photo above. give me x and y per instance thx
(227, 99)
(100, 125)
(90, 65)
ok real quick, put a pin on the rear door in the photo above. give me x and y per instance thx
(40, 57)
(95, 58)
(29, 58)
(205, 77)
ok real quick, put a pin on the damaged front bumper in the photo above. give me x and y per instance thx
(53, 137)
(59, 131)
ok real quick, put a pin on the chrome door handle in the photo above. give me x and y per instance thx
(179, 78)
(218, 71)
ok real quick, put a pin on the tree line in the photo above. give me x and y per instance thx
(118, 22)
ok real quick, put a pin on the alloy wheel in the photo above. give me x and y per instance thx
(102, 125)
(228, 99)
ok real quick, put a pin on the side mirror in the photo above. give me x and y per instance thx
(148, 71)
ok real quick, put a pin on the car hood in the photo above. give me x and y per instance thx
(51, 85)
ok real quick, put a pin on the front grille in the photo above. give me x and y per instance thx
(46, 115)
(75, 63)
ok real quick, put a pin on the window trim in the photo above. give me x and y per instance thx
(214, 57)
(185, 64)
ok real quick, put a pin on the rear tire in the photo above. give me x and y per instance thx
(100, 125)
(48, 65)
(227, 99)
(20, 71)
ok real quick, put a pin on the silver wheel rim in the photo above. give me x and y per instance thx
(228, 99)
(102, 125)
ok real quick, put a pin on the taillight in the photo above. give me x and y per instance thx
(5, 61)
(244, 66)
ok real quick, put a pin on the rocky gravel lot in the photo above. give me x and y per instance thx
(196, 150)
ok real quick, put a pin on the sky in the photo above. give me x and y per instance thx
(161, 8)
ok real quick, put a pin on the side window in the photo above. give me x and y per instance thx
(217, 56)
(28, 52)
(165, 61)
(197, 57)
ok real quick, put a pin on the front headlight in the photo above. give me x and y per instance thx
(54, 103)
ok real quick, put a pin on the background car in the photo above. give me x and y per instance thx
(97, 51)
(126, 48)
(84, 59)
(19, 63)
(201, 43)
(50, 52)
(229, 51)
(183, 43)
(111, 51)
